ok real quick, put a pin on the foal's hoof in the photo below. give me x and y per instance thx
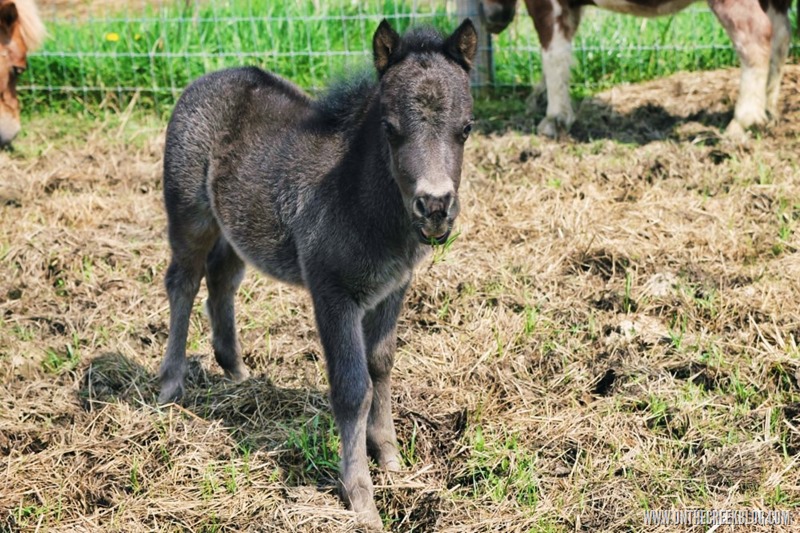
(386, 455)
(171, 392)
(389, 460)
(361, 502)
(238, 375)
(392, 465)
(371, 521)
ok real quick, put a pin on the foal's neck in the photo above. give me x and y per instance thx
(379, 198)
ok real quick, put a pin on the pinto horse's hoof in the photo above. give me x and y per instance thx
(735, 132)
(744, 121)
(554, 127)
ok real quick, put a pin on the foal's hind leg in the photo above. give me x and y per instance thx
(750, 31)
(380, 334)
(182, 281)
(224, 272)
(781, 33)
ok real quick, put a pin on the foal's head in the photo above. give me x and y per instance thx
(497, 14)
(426, 113)
(21, 30)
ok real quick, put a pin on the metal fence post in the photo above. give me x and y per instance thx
(483, 70)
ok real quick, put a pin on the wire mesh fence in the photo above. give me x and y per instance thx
(123, 51)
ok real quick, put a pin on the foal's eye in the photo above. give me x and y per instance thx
(467, 129)
(391, 130)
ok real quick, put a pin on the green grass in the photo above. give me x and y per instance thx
(500, 468)
(147, 55)
(316, 446)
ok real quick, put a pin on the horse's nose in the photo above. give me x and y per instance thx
(9, 127)
(498, 15)
(429, 206)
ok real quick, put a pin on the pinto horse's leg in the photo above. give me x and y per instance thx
(380, 334)
(339, 321)
(750, 31)
(556, 24)
(224, 273)
(781, 36)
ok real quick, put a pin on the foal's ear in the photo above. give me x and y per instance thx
(385, 42)
(463, 44)
(8, 16)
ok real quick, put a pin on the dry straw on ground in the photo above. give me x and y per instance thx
(614, 330)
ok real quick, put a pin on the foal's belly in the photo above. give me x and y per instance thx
(247, 216)
(644, 8)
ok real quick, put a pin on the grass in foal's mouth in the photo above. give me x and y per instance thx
(440, 250)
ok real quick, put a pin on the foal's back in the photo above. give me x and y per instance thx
(223, 116)
(226, 160)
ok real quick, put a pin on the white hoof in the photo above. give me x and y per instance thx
(552, 127)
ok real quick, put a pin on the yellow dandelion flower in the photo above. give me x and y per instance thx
(112, 37)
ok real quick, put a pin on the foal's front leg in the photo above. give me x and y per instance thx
(340, 330)
(380, 333)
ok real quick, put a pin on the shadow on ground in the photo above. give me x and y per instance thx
(294, 426)
(691, 107)
(246, 409)
(597, 119)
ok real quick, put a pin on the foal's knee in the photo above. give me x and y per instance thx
(181, 281)
(351, 395)
(381, 360)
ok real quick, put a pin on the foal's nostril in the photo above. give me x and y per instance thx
(419, 207)
(430, 207)
(447, 202)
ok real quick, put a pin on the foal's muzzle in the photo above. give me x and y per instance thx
(434, 216)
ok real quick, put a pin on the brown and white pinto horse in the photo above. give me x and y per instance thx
(760, 31)
(21, 30)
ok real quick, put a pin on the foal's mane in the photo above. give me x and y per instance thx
(418, 40)
(31, 25)
(344, 102)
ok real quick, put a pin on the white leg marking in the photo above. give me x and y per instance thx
(781, 33)
(556, 63)
(751, 105)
